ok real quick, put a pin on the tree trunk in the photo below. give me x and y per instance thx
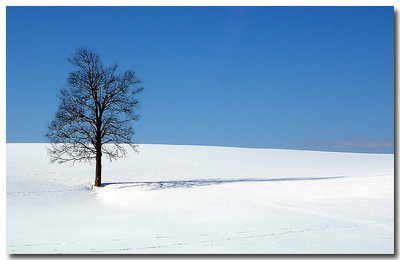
(97, 181)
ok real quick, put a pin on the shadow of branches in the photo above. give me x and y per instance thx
(159, 185)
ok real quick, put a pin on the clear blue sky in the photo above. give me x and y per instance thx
(319, 78)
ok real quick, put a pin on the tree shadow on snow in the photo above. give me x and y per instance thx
(159, 185)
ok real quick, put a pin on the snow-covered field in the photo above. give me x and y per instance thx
(201, 199)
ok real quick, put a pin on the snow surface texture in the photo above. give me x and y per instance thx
(201, 199)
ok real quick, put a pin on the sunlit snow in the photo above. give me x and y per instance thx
(201, 199)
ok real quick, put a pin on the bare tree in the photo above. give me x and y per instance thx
(95, 114)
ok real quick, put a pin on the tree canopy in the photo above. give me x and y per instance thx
(95, 114)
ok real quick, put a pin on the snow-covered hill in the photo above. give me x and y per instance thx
(201, 199)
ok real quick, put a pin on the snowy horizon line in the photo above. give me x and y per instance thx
(328, 150)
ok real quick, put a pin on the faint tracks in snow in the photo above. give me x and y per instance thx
(43, 191)
(200, 241)
(239, 236)
(47, 175)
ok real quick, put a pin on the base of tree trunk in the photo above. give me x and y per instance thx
(97, 181)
